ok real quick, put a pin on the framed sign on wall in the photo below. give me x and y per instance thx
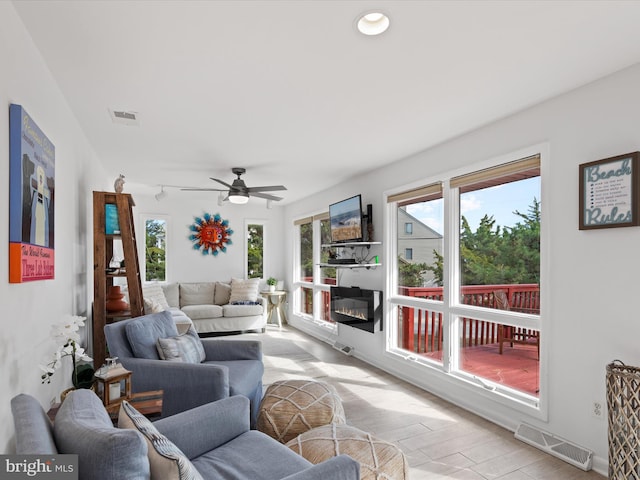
(609, 192)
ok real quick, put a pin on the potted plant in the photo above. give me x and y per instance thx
(272, 282)
(65, 333)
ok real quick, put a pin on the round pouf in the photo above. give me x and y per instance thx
(291, 407)
(379, 460)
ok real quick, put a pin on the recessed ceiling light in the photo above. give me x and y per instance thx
(373, 23)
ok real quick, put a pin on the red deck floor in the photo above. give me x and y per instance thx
(518, 366)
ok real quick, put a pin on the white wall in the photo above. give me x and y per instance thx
(184, 264)
(590, 278)
(29, 309)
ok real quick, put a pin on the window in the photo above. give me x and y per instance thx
(423, 248)
(472, 310)
(408, 228)
(313, 284)
(155, 249)
(305, 266)
(255, 250)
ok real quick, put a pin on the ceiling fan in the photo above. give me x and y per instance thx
(239, 193)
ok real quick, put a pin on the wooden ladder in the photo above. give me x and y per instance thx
(102, 255)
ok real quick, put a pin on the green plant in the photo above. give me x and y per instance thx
(272, 281)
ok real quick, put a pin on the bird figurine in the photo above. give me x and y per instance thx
(118, 185)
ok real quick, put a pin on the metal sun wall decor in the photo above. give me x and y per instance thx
(210, 234)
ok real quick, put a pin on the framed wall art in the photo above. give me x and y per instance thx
(31, 199)
(609, 192)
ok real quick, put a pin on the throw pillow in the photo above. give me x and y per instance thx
(222, 294)
(183, 348)
(165, 459)
(153, 291)
(152, 306)
(243, 290)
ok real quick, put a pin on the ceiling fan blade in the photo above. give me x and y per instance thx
(266, 189)
(267, 196)
(202, 190)
(220, 181)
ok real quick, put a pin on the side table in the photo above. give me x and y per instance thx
(275, 307)
(147, 403)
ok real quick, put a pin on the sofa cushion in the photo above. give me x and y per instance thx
(143, 333)
(154, 292)
(196, 312)
(231, 460)
(166, 460)
(83, 427)
(222, 293)
(183, 348)
(196, 293)
(242, 290)
(242, 310)
(172, 294)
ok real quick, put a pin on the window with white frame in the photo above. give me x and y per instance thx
(155, 248)
(313, 282)
(305, 266)
(478, 314)
(255, 249)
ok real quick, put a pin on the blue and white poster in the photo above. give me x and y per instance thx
(31, 199)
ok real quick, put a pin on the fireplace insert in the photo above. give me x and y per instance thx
(357, 308)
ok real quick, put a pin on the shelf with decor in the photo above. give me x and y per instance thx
(113, 222)
(357, 259)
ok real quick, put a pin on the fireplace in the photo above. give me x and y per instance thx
(357, 308)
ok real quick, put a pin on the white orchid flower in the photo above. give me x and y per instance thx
(66, 334)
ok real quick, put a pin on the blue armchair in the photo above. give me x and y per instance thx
(230, 367)
(215, 437)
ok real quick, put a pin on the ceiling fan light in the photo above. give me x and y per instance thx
(239, 198)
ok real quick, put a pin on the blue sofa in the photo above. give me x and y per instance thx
(230, 367)
(215, 437)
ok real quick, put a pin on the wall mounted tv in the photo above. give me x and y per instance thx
(346, 220)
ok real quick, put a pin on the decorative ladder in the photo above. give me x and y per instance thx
(102, 255)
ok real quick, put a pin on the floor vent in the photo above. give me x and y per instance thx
(343, 348)
(569, 452)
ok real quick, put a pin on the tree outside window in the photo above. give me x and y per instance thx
(255, 250)
(155, 250)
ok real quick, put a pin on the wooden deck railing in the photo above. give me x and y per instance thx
(421, 329)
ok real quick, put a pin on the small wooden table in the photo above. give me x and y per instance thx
(147, 403)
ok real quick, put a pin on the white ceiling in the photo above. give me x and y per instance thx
(290, 91)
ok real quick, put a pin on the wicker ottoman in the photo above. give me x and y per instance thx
(291, 407)
(379, 460)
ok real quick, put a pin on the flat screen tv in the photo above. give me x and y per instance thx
(346, 220)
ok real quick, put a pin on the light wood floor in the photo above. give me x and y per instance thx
(441, 441)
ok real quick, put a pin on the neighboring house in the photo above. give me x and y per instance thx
(416, 243)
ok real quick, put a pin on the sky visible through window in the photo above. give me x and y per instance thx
(500, 201)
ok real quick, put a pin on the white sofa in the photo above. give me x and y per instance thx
(212, 307)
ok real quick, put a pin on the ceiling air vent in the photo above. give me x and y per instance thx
(124, 117)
